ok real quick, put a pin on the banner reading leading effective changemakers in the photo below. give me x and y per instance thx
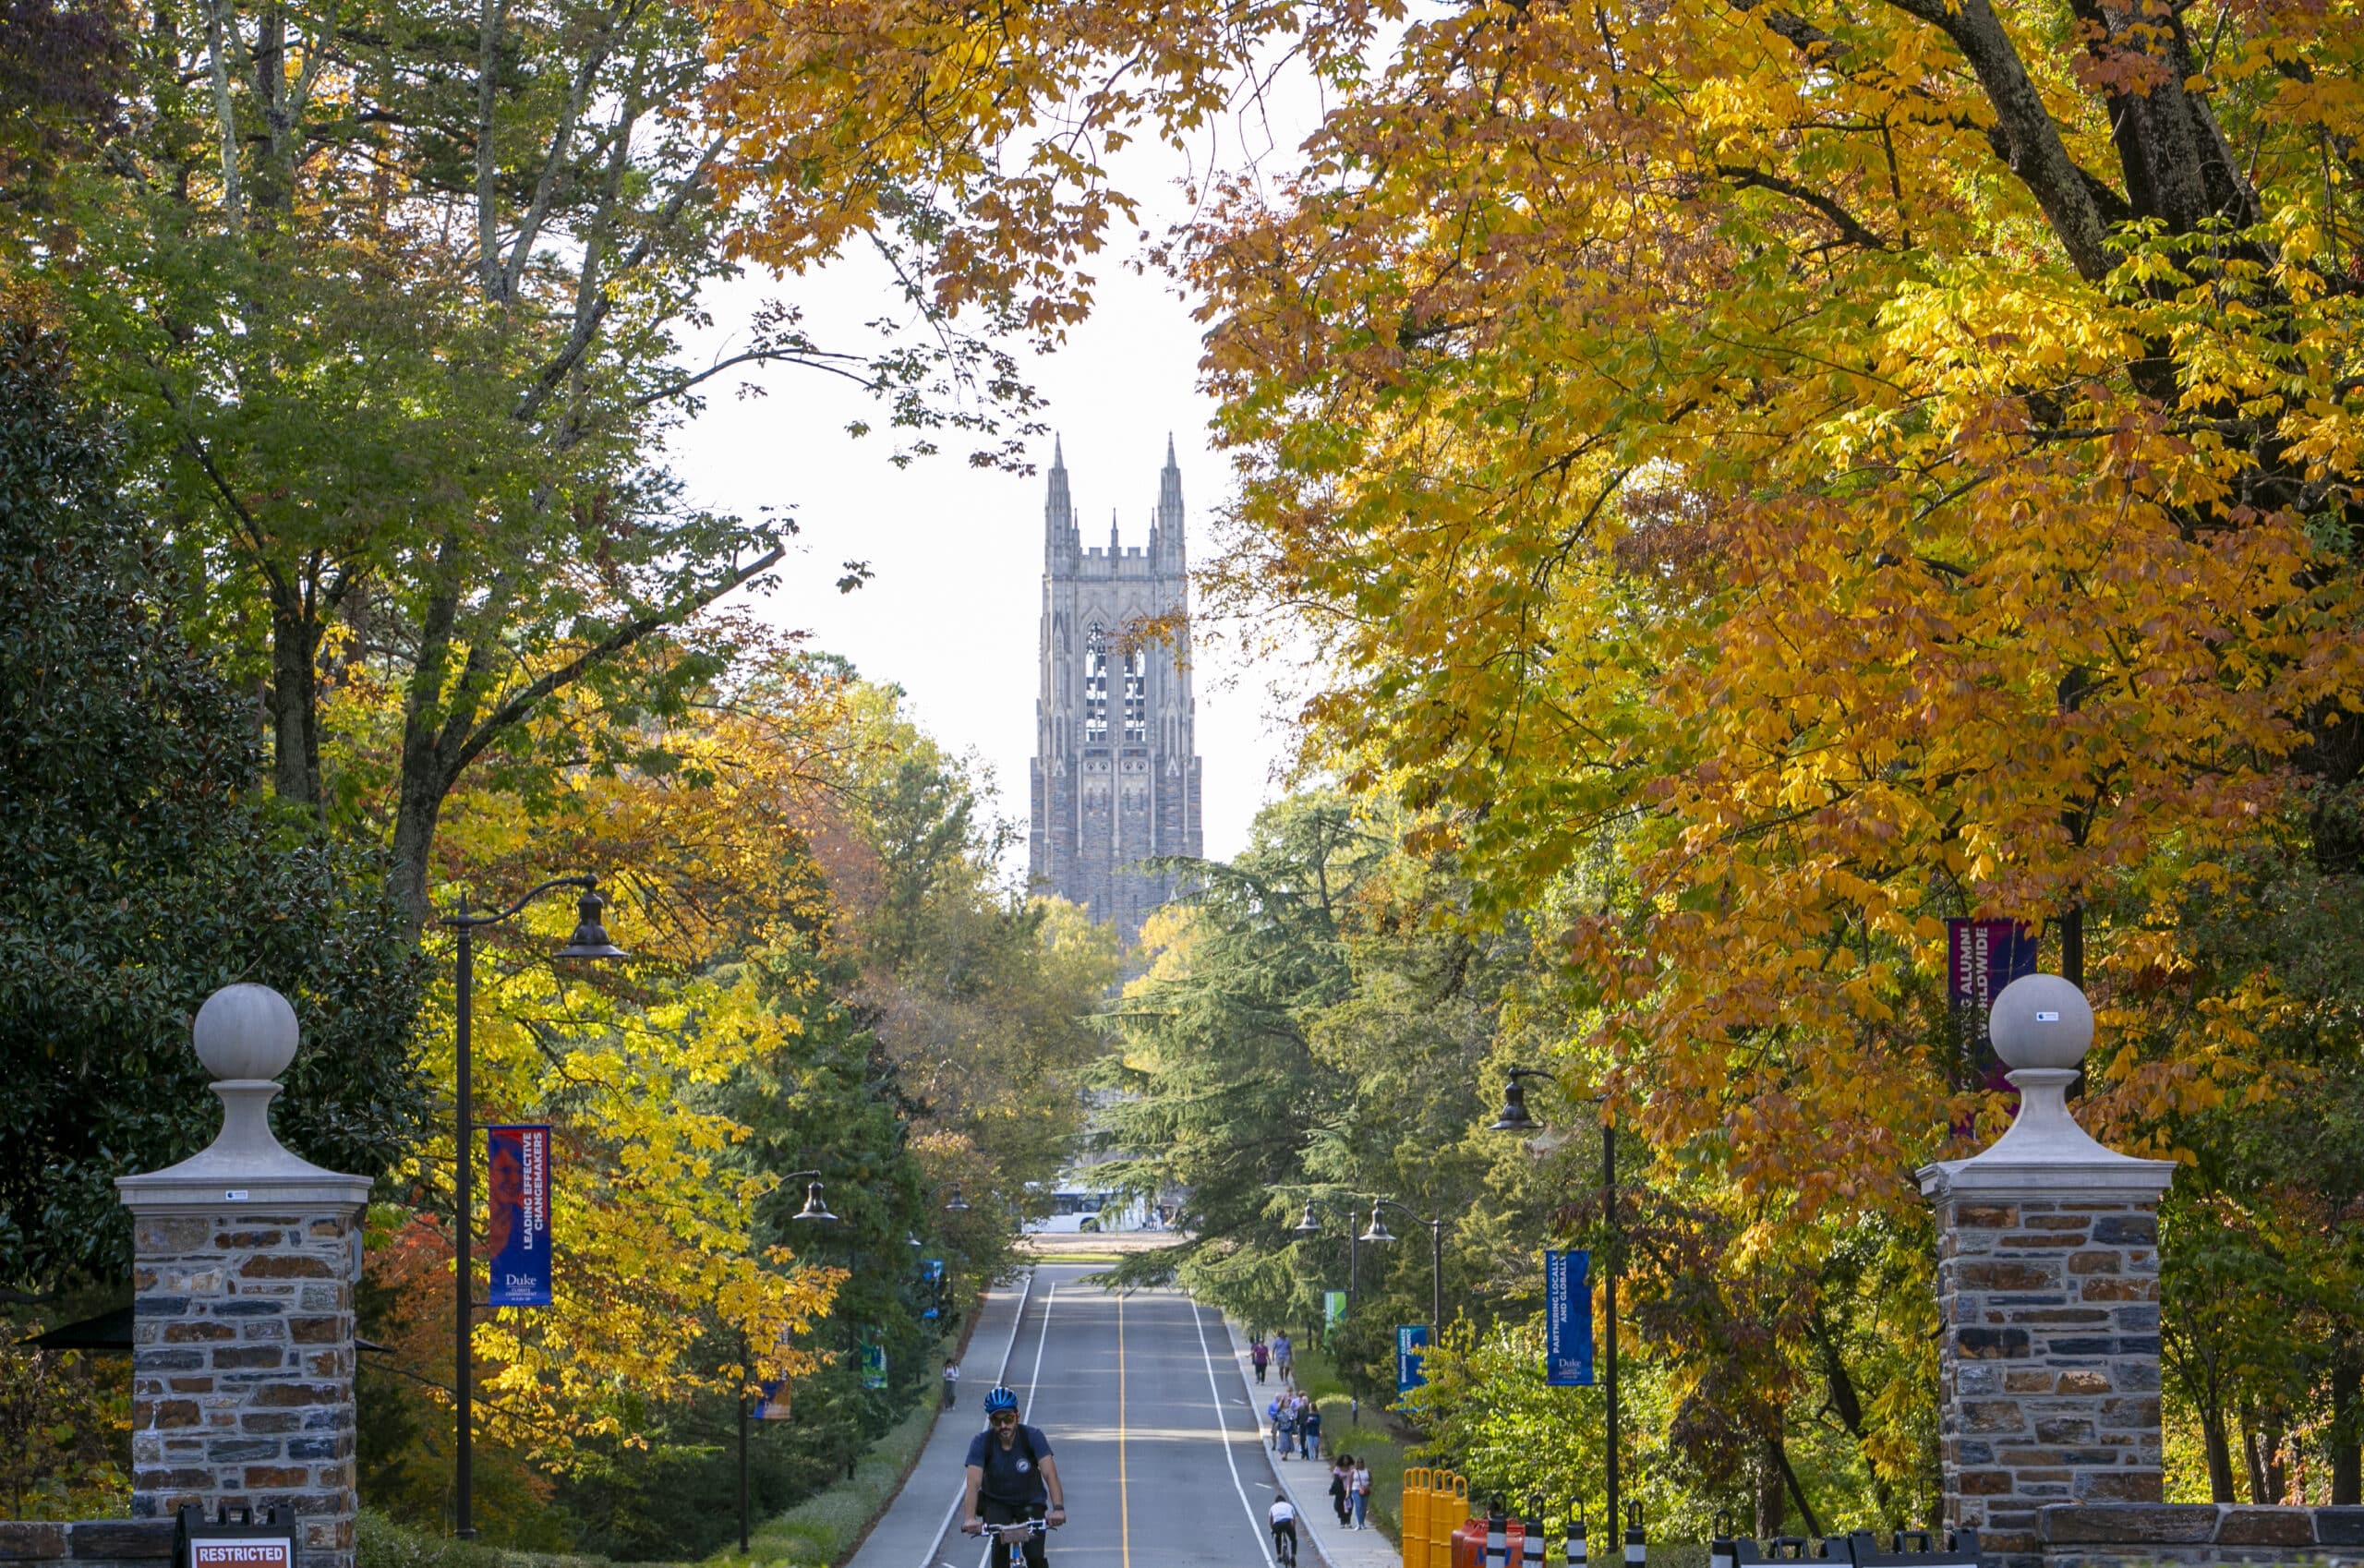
(517, 1230)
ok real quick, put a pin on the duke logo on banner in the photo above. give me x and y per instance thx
(517, 1232)
(1567, 1319)
(1411, 1343)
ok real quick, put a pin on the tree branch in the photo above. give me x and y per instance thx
(1847, 226)
(521, 704)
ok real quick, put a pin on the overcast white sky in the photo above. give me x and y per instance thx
(951, 613)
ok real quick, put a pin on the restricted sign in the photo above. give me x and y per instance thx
(264, 1553)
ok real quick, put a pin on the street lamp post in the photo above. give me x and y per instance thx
(589, 941)
(1515, 1118)
(1379, 1232)
(1310, 1226)
(814, 1210)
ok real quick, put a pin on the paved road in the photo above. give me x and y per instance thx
(1139, 1396)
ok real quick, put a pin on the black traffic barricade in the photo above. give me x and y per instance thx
(236, 1538)
(1637, 1544)
(1721, 1552)
(1498, 1534)
(1576, 1549)
(1914, 1548)
(1530, 1546)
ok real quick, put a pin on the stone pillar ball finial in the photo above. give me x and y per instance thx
(245, 1034)
(2041, 1020)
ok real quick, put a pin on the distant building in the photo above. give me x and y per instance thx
(1115, 775)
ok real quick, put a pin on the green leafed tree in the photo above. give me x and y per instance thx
(145, 869)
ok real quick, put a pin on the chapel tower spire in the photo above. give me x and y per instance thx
(1114, 781)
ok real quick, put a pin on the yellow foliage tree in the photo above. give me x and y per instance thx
(1774, 476)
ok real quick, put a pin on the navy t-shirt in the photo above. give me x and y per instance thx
(1013, 1475)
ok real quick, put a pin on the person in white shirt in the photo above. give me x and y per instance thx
(1282, 1519)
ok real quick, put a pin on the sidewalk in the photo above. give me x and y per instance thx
(914, 1528)
(1315, 1522)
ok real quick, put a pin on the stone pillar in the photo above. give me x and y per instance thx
(244, 1263)
(2048, 1291)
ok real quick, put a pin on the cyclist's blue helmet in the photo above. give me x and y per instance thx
(999, 1398)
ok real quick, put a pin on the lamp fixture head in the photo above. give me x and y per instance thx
(813, 1207)
(958, 1205)
(1310, 1224)
(590, 938)
(1378, 1231)
(1514, 1116)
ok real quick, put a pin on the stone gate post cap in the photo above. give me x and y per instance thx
(246, 1032)
(2041, 1020)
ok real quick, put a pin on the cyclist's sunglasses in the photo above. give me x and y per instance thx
(1003, 1418)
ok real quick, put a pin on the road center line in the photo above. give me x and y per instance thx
(1255, 1522)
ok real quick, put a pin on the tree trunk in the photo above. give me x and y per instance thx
(295, 634)
(1848, 1406)
(2220, 1455)
(1772, 1501)
(2347, 1453)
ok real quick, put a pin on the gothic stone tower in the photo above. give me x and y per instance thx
(1115, 781)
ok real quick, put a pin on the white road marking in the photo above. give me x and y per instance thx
(1255, 1522)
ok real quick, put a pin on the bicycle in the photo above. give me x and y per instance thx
(1016, 1536)
(1285, 1546)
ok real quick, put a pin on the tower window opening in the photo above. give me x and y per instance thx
(1136, 699)
(1095, 688)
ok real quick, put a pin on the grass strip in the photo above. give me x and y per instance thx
(822, 1530)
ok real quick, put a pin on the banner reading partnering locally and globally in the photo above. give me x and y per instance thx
(1567, 1319)
(517, 1228)
(1333, 1308)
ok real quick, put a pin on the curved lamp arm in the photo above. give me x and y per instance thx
(589, 884)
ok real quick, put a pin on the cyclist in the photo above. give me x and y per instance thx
(1012, 1476)
(1283, 1522)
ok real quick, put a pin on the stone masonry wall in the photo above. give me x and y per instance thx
(93, 1543)
(2200, 1536)
(242, 1369)
(2049, 1364)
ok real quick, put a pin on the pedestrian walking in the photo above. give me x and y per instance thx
(1360, 1489)
(1272, 1414)
(1342, 1470)
(951, 1381)
(1309, 1431)
(1261, 1354)
(1287, 1431)
(1284, 1355)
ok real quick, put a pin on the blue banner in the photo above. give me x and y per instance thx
(1567, 1319)
(517, 1228)
(873, 1365)
(931, 1272)
(772, 1404)
(1411, 1343)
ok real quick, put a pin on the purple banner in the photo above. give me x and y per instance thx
(1982, 957)
(517, 1232)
